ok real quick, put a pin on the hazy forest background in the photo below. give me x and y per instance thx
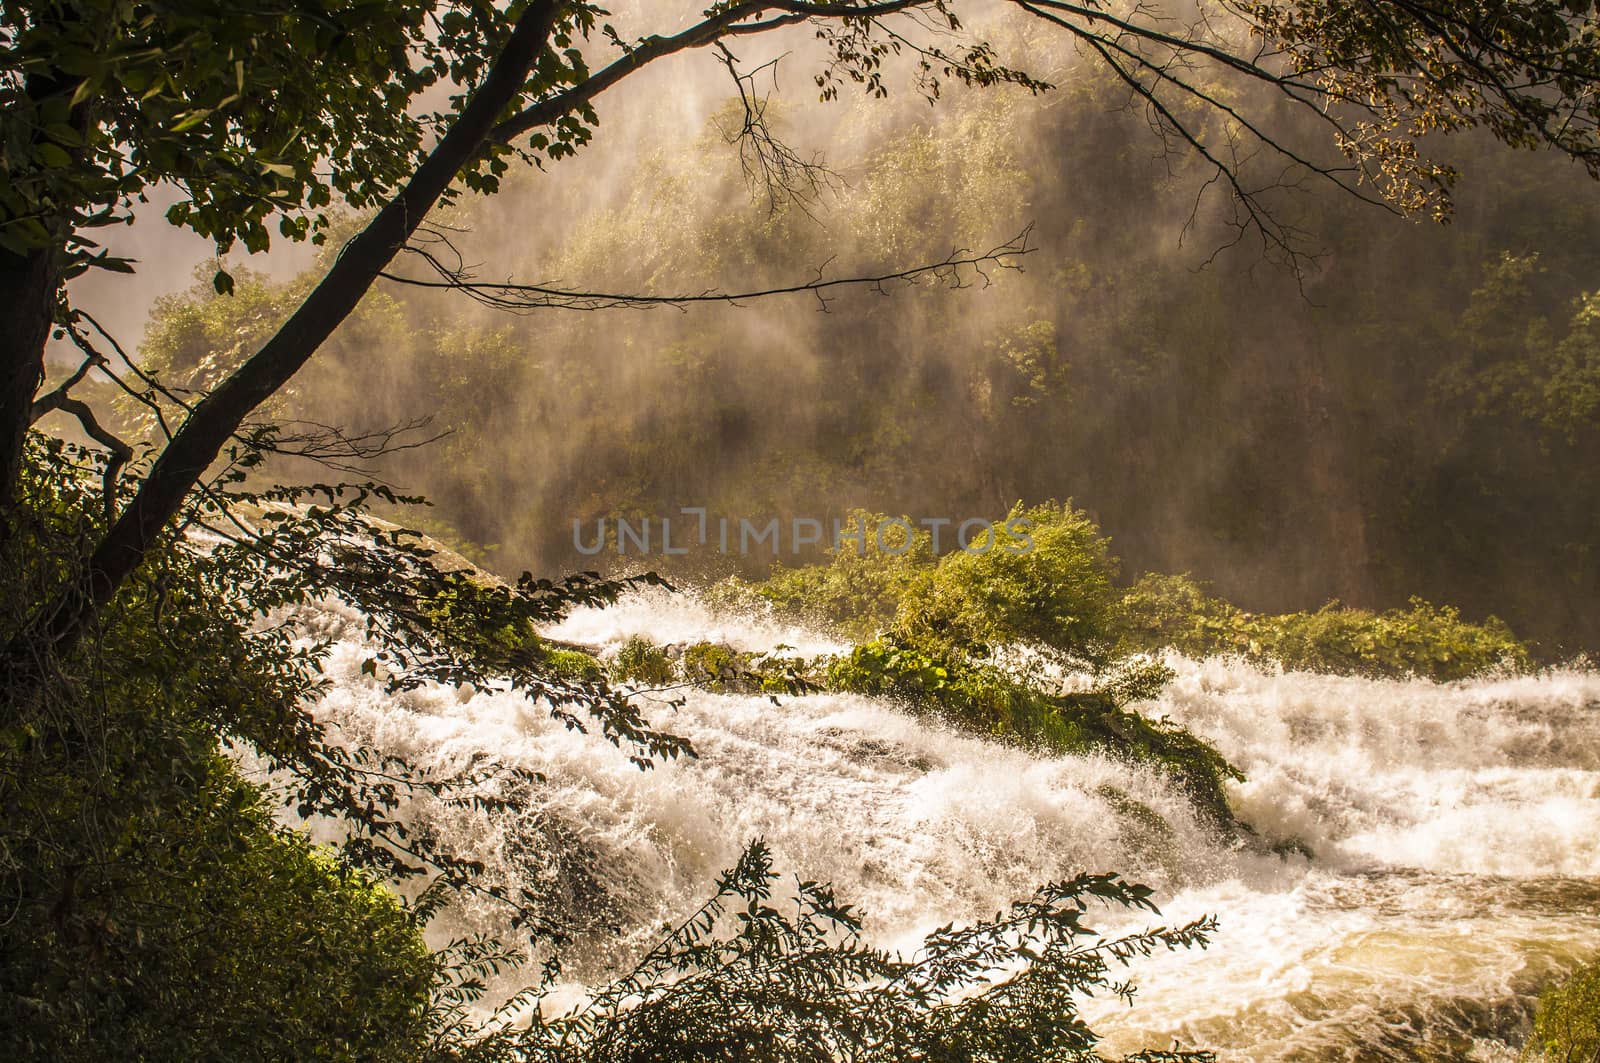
(1412, 412)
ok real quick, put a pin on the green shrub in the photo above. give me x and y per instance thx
(1054, 590)
(155, 910)
(209, 932)
(758, 978)
(945, 619)
(1566, 1026)
(642, 661)
(713, 666)
(1160, 612)
(1425, 640)
(1057, 594)
(987, 699)
(573, 664)
(273, 950)
(860, 589)
(720, 668)
(154, 907)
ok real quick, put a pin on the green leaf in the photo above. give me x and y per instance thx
(52, 155)
(86, 88)
(115, 265)
(62, 133)
(192, 119)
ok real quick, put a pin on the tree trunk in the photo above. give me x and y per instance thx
(27, 294)
(215, 419)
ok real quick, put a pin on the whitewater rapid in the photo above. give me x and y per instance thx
(1427, 855)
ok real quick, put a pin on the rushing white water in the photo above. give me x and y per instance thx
(1440, 844)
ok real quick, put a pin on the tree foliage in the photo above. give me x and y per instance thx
(1052, 591)
(1379, 74)
(271, 114)
(1566, 1027)
(760, 973)
(1175, 612)
(155, 905)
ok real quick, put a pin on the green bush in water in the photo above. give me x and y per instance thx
(572, 664)
(932, 627)
(1056, 593)
(1425, 640)
(713, 666)
(1177, 612)
(1566, 1027)
(642, 661)
(860, 589)
(989, 700)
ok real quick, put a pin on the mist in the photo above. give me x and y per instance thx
(1290, 437)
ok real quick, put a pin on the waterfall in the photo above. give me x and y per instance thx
(1426, 856)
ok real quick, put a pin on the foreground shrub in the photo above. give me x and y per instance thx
(1566, 1027)
(742, 981)
(208, 932)
(153, 908)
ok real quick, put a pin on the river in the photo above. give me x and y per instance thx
(1426, 856)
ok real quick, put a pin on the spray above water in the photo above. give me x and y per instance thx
(1426, 856)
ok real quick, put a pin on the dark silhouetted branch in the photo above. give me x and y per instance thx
(961, 269)
(338, 449)
(216, 417)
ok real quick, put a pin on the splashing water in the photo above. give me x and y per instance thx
(1428, 855)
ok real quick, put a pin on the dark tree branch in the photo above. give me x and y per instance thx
(45, 403)
(215, 419)
(153, 387)
(960, 269)
(59, 399)
(768, 163)
(335, 448)
(120, 452)
(712, 29)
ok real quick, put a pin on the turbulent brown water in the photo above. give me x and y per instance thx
(1438, 845)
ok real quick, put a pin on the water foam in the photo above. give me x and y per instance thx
(1441, 843)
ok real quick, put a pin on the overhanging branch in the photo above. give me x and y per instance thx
(960, 269)
(119, 452)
